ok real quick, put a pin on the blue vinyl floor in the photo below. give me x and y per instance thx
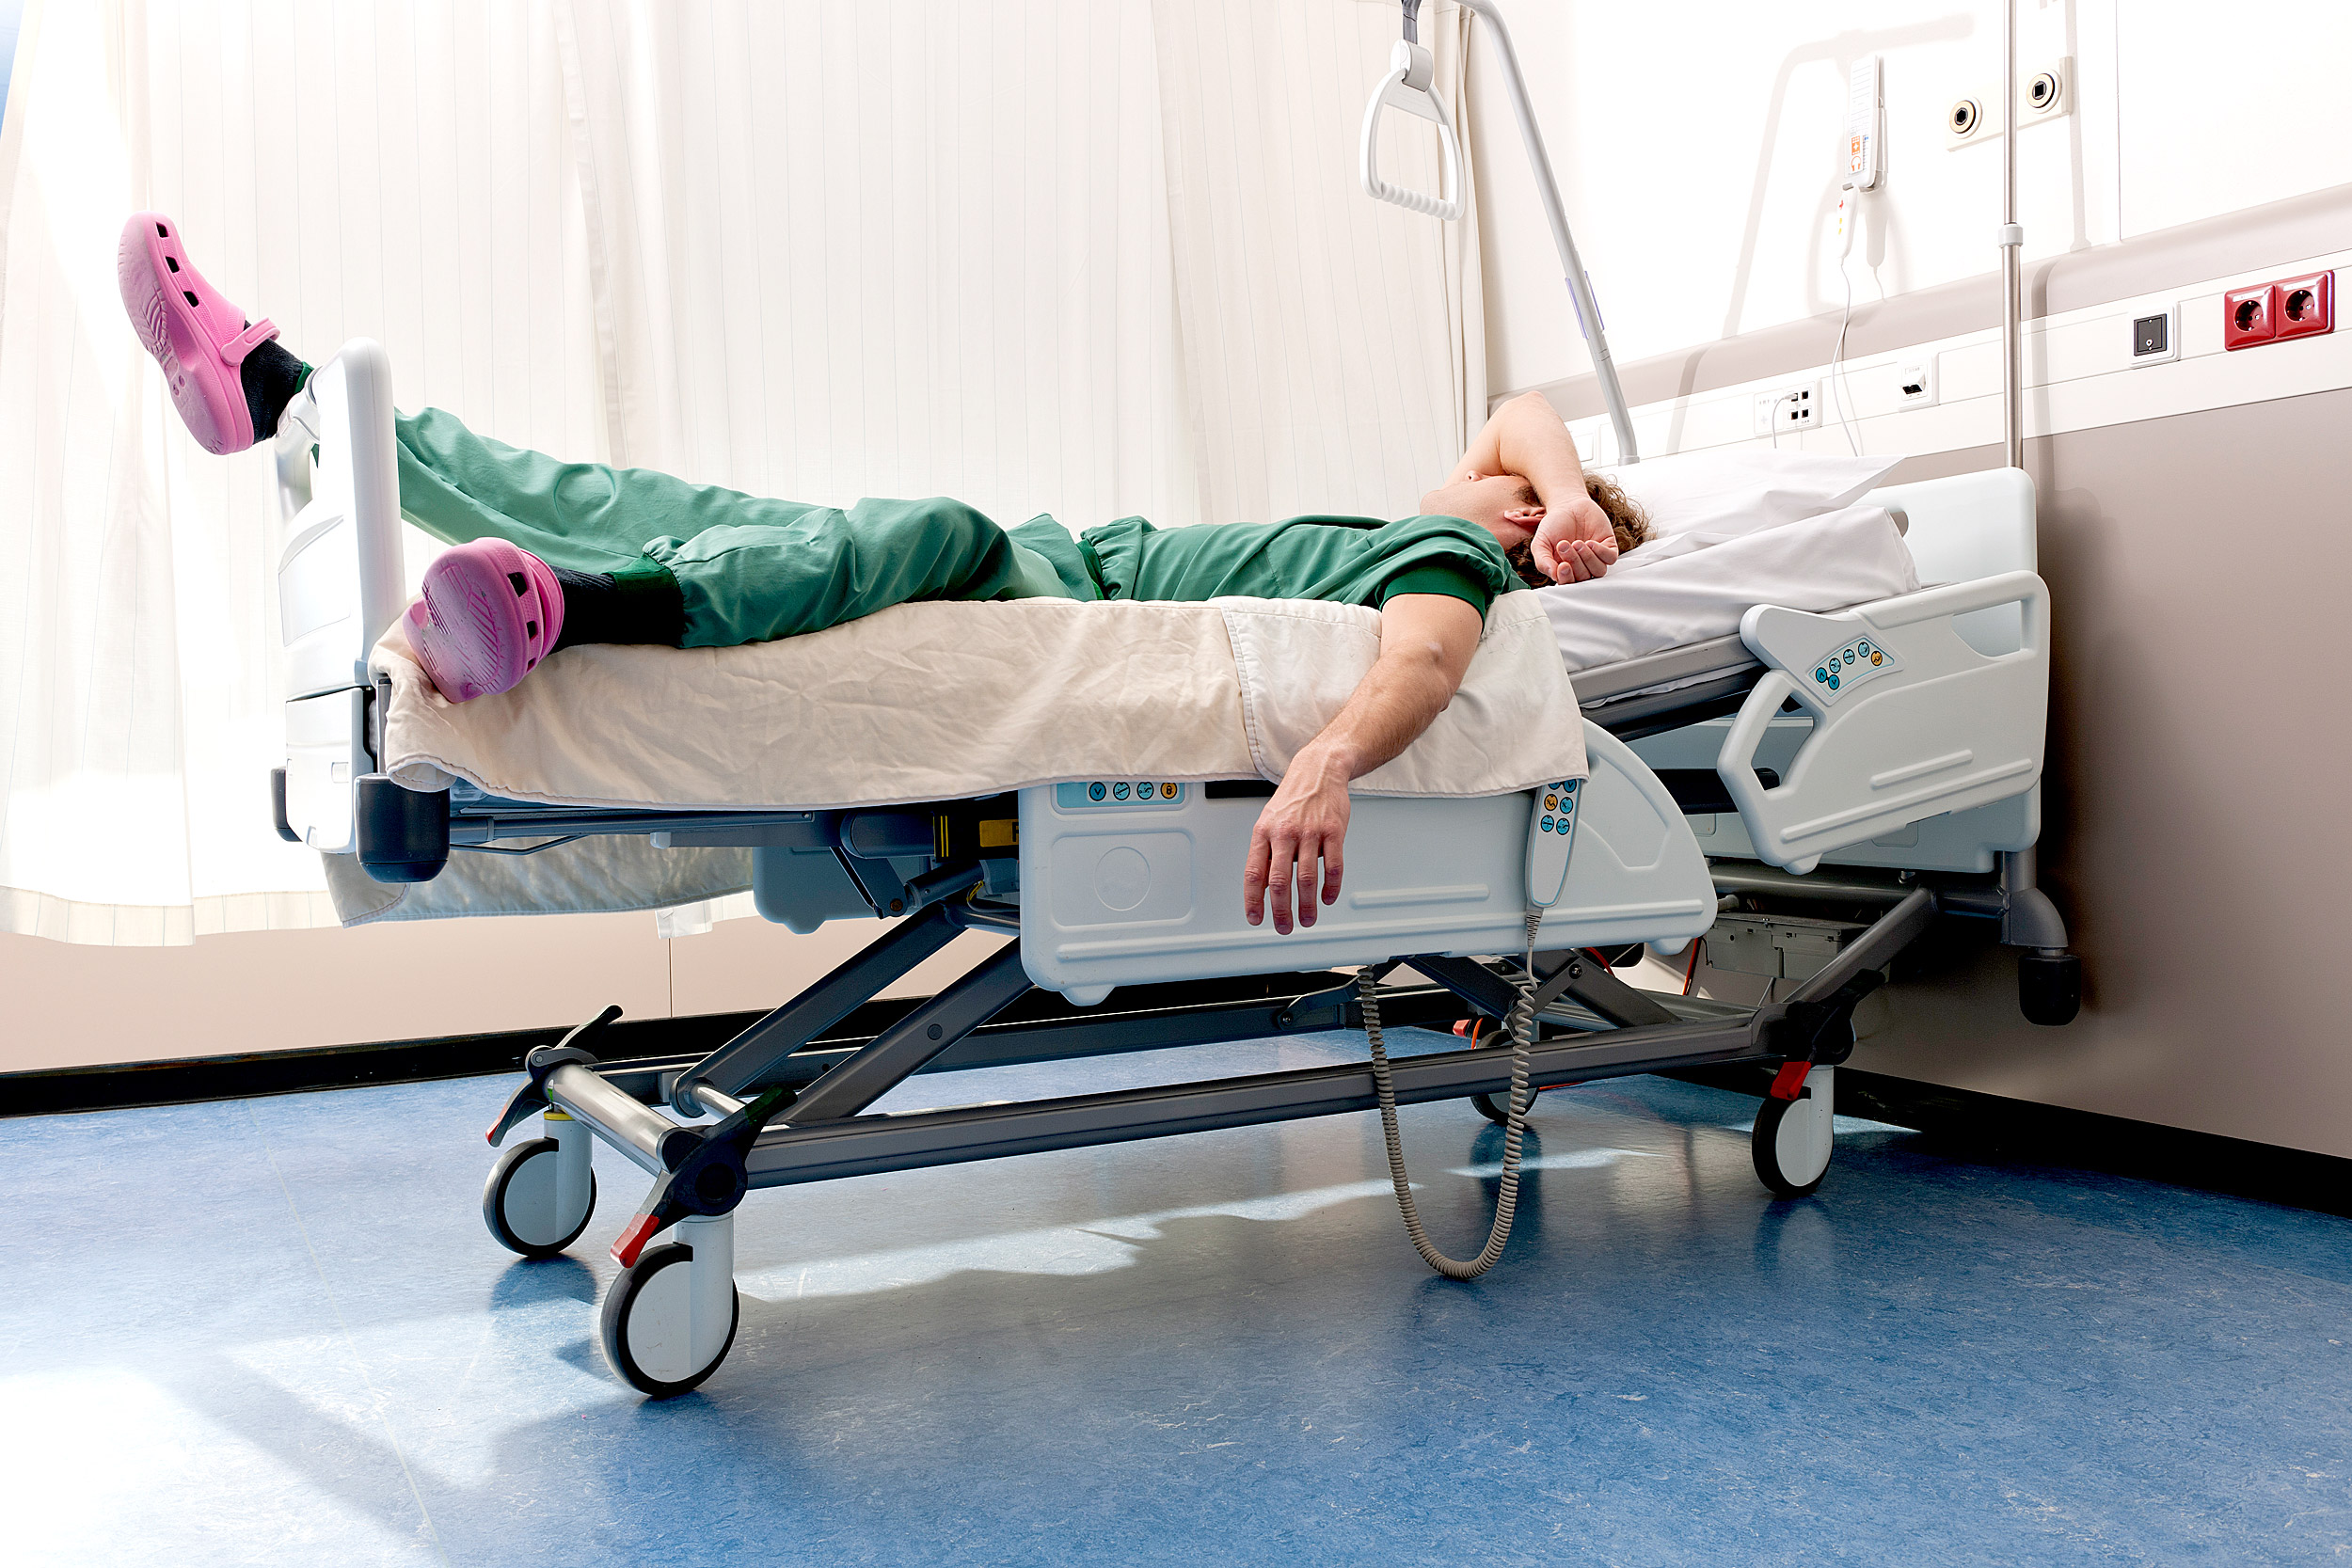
(275, 1331)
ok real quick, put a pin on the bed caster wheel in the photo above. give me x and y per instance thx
(1793, 1138)
(2049, 986)
(526, 1202)
(1497, 1108)
(669, 1319)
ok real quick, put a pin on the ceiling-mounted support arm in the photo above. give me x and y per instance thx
(1409, 86)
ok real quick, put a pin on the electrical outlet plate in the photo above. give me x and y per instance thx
(2155, 336)
(1965, 122)
(2045, 91)
(1789, 409)
(1914, 384)
(2053, 79)
(2305, 307)
(2246, 318)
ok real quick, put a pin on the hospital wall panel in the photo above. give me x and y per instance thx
(76, 1005)
(2197, 566)
(1697, 149)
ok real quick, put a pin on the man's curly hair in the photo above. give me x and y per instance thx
(1627, 520)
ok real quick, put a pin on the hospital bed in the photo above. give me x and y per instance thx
(1882, 761)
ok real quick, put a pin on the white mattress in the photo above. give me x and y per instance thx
(1689, 587)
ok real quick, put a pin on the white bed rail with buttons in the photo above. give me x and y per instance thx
(1131, 881)
(1927, 706)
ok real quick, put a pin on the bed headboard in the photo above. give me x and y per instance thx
(1970, 526)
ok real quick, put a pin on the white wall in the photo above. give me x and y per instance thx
(1699, 147)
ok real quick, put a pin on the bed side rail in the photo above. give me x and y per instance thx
(1910, 719)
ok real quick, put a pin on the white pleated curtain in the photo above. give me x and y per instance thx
(1084, 256)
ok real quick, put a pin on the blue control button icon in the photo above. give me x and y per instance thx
(1821, 674)
(1544, 824)
(1119, 791)
(1094, 791)
(1833, 683)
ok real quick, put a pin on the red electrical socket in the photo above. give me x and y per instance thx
(2304, 306)
(2248, 316)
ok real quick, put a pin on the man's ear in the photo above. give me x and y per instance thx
(1526, 516)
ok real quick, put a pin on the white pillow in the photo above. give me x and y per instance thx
(1734, 490)
(1850, 556)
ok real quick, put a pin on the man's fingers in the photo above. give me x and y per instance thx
(1253, 878)
(1332, 871)
(1284, 866)
(1312, 849)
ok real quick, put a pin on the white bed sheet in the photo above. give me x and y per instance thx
(1691, 586)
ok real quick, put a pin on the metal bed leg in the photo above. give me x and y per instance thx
(702, 1170)
(2049, 977)
(903, 1049)
(737, 1065)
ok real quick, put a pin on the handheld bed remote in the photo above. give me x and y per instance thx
(1550, 831)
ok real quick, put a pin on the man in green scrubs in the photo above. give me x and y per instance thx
(545, 554)
(638, 556)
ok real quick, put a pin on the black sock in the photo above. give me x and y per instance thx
(639, 604)
(271, 376)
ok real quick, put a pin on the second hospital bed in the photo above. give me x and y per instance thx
(1897, 742)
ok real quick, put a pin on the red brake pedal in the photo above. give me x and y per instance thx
(632, 1240)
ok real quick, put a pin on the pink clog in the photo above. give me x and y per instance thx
(490, 612)
(197, 336)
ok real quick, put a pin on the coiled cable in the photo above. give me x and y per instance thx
(1521, 1024)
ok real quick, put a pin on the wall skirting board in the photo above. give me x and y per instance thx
(1185, 1013)
(1963, 1125)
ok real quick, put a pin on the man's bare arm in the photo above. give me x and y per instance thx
(1427, 641)
(1526, 438)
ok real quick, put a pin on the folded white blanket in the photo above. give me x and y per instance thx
(945, 701)
(931, 702)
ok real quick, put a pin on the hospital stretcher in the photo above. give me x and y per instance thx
(1899, 742)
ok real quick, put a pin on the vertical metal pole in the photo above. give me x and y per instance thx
(2012, 241)
(1547, 191)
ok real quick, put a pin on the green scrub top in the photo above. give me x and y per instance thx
(1338, 560)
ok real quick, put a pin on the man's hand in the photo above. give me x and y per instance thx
(1427, 641)
(1305, 823)
(1574, 542)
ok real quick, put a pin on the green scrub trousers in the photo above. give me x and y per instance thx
(748, 569)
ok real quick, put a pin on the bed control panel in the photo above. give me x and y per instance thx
(1111, 793)
(1848, 666)
(1550, 831)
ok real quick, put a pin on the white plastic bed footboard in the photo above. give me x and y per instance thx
(340, 580)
